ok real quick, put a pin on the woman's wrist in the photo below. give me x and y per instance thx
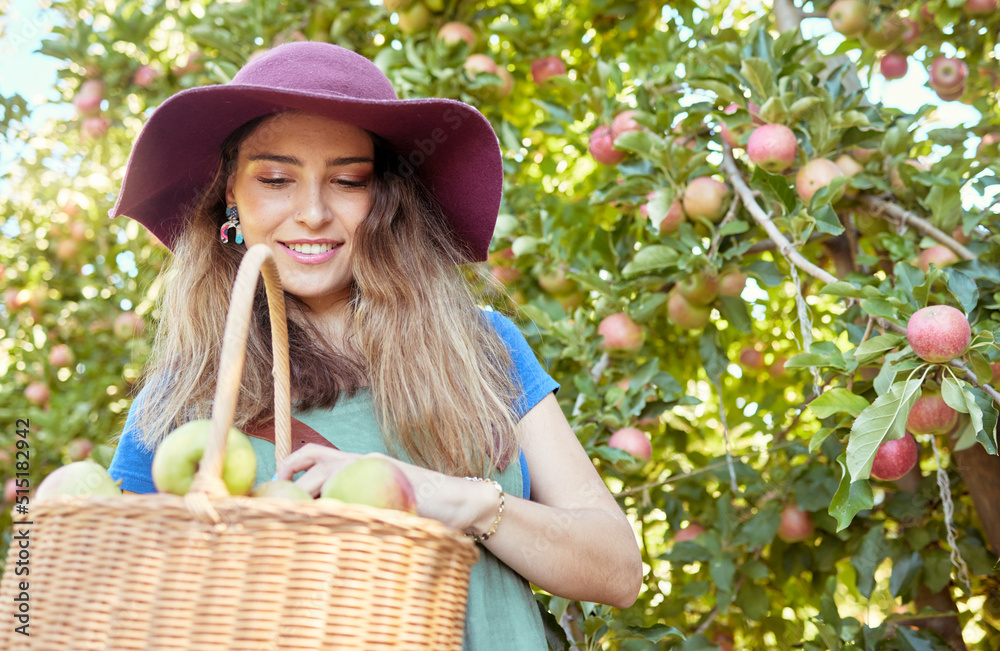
(490, 512)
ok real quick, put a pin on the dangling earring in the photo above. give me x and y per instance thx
(234, 221)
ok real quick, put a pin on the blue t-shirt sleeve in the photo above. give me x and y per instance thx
(133, 462)
(535, 382)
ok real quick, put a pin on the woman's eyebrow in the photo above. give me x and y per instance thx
(330, 162)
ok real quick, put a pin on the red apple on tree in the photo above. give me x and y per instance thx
(673, 219)
(816, 174)
(699, 288)
(37, 392)
(602, 147)
(684, 314)
(621, 334)
(772, 147)
(455, 32)
(948, 74)
(79, 449)
(61, 356)
(911, 31)
(633, 441)
(849, 17)
(89, 97)
(980, 7)
(477, 63)
(706, 198)
(893, 459)
(689, 532)
(144, 76)
(938, 333)
(732, 136)
(128, 325)
(938, 254)
(930, 414)
(546, 67)
(624, 121)
(893, 65)
(94, 127)
(732, 282)
(752, 359)
(796, 524)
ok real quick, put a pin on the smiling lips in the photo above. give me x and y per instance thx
(311, 252)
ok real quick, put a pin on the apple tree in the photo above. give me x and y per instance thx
(770, 299)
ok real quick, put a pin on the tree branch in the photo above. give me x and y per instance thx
(763, 220)
(882, 207)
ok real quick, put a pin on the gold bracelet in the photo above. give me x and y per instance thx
(496, 523)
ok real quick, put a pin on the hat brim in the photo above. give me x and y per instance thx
(450, 145)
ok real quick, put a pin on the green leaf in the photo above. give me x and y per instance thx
(871, 552)
(952, 392)
(835, 401)
(775, 188)
(653, 633)
(759, 75)
(964, 289)
(722, 570)
(827, 221)
(650, 258)
(752, 600)
(822, 353)
(910, 640)
(554, 633)
(734, 227)
(798, 108)
(734, 311)
(875, 347)
(850, 498)
(842, 288)
(879, 307)
(987, 432)
(884, 419)
(937, 569)
(641, 141)
(904, 572)
(767, 272)
(713, 359)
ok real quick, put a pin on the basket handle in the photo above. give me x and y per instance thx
(258, 260)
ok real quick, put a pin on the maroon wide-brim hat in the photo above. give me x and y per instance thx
(450, 146)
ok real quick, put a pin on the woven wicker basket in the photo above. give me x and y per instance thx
(208, 572)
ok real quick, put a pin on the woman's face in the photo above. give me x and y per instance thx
(302, 185)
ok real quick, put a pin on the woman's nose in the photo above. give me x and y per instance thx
(314, 209)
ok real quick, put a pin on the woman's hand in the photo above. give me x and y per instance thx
(454, 501)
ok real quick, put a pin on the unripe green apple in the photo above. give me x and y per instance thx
(685, 315)
(849, 17)
(699, 288)
(281, 489)
(706, 198)
(816, 174)
(178, 456)
(81, 479)
(374, 481)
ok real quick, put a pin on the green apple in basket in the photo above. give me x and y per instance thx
(281, 489)
(85, 478)
(179, 454)
(375, 481)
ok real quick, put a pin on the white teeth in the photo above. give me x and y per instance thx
(310, 249)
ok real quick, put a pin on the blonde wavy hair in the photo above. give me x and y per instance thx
(440, 378)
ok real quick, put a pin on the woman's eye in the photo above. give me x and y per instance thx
(270, 181)
(352, 184)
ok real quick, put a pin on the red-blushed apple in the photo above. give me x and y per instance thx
(10, 490)
(280, 489)
(94, 127)
(556, 283)
(546, 67)
(506, 82)
(989, 140)
(930, 414)
(602, 147)
(893, 459)
(796, 524)
(502, 257)
(179, 454)
(477, 63)
(699, 288)
(896, 179)
(144, 76)
(128, 325)
(886, 34)
(777, 367)
(816, 174)
(79, 449)
(374, 481)
(848, 165)
(948, 74)
(455, 32)
(862, 154)
(951, 95)
(980, 7)
(633, 441)
(684, 315)
(78, 231)
(505, 276)
(61, 356)
(689, 532)
(88, 98)
(706, 198)
(724, 640)
(939, 254)
(959, 235)
(673, 219)
(911, 31)
(849, 17)
(893, 65)
(37, 393)
(414, 18)
(938, 333)
(995, 369)
(84, 478)
(621, 334)
(772, 147)
(752, 359)
(644, 208)
(624, 121)
(732, 282)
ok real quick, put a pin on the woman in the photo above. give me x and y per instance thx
(369, 204)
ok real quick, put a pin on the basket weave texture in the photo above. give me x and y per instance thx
(210, 572)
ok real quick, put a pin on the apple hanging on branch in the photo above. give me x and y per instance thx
(938, 333)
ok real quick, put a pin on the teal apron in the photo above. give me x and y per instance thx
(501, 614)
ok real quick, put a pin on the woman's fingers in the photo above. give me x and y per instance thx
(313, 455)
